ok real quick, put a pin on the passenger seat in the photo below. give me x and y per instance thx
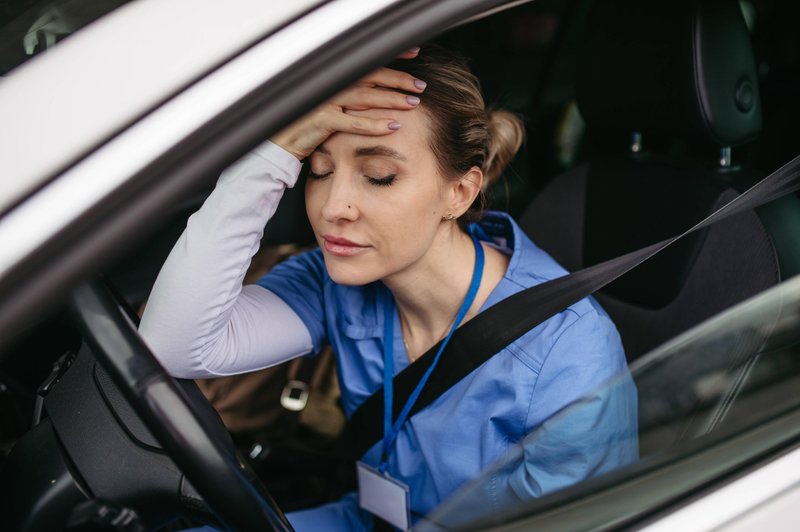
(667, 75)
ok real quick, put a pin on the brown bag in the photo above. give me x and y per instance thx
(274, 404)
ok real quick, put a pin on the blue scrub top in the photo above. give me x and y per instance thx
(482, 417)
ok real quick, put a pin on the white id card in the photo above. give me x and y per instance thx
(383, 496)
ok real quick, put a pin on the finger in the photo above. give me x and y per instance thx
(411, 53)
(361, 125)
(359, 98)
(393, 79)
(303, 136)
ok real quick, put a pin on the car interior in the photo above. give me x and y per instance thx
(641, 120)
(672, 87)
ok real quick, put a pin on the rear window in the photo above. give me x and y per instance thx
(30, 27)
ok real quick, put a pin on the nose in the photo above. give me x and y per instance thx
(340, 203)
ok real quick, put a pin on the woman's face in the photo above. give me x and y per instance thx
(376, 203)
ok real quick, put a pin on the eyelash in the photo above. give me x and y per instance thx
(312, 175)
(382, 181)
(377, 181)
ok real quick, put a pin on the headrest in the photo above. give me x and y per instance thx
(683, 68)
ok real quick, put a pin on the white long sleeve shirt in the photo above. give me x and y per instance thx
(199, 320)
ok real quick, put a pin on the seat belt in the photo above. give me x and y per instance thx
(492, 330)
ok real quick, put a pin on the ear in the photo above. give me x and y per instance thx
(464, 191)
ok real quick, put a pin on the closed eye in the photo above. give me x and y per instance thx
(382, 181)
(313, 175)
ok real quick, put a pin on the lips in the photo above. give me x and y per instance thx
(341, 246)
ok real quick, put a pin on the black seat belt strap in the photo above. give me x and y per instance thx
(493, 329)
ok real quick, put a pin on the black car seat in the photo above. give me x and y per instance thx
(679, 77)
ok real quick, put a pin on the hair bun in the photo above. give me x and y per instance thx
(506, 135)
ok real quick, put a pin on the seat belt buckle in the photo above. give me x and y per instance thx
(294, 396)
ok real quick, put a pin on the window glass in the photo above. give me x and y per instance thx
(29, 27)
(729, 374)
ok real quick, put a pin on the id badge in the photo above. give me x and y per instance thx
(381, 495)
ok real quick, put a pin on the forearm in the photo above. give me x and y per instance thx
(195, 321)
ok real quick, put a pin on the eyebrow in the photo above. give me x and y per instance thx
(370, 151)
(380, 151)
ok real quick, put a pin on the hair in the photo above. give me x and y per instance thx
(464, 132)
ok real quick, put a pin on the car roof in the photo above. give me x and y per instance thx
(77, 95)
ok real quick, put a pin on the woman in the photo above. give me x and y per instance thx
(396, 164)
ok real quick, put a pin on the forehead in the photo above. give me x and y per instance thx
(412, 136)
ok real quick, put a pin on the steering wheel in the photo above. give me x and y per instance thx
(196, 441)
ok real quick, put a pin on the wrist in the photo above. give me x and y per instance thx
(286, 141)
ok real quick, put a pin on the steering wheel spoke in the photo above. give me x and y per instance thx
(176, 413)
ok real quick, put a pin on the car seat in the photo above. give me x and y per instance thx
(678, 77)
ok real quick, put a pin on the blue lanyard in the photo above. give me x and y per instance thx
(390, 431)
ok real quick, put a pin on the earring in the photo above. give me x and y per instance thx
(449, 216)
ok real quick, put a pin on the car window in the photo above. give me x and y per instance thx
(725, 376)
(29, 27)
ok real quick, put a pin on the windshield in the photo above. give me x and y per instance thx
(29, 27)
(732, 372)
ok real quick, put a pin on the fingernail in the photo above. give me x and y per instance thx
(412, 100)
(414, 50)
(394, 126)
(418, 83)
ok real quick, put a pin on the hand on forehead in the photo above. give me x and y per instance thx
(409, 138)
